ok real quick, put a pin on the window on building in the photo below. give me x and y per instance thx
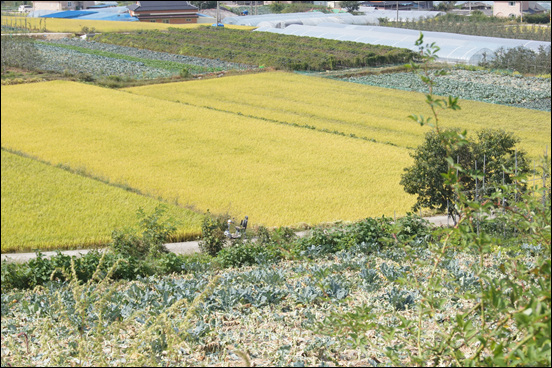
(153, 21)
(512, 3)
(69, 4)
(166, 21)
(188, 20)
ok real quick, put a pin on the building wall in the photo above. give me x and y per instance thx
(48, 5)
(61, 5)
(506, 9)
(171, 20)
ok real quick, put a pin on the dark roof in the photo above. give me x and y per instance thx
(162, 5)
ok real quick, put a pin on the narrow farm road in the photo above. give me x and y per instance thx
(178, 248)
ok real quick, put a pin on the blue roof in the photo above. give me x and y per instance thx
(111, 14)
(69, 14)
(124, 17)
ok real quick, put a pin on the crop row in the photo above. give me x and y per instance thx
(259, 48)
(162, 60)
(477, 27)
(62, 60)
(205, 158)
(270, 311)
(50, 208)
(370, 113)
(485, 86)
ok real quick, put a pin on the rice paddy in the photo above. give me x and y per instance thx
(45, 207)
(281, 148)
(374, 113)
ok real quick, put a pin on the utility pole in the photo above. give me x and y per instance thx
(218, 13)
(397, 12)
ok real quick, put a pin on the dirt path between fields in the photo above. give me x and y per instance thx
(178, 248)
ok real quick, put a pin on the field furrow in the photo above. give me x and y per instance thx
(375, 113)
(50, 208)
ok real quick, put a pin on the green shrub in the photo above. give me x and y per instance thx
(241, 254)
(212, 233)
(148, 239)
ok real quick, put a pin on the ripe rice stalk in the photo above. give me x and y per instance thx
(277, 175)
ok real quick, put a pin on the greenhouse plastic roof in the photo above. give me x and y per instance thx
(455, 48)
(69, 14)
(119, 13)
(314, 18)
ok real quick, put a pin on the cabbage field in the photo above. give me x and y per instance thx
(481, 85)
(97, 60)
(266, 315)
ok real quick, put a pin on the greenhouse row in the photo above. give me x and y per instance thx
(315, 18)
(454, 48)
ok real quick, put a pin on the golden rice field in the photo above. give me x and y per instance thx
(76, 25)
(275, 174)
(217, 144)
(49, 208)
(372, 112)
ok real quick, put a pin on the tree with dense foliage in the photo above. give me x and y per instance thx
(204, 4)
(350, 6)
(446, 5)
(488, 156)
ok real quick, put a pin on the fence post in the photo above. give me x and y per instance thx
(475, 180)
(503, 209)
(448, 212)
(484, 172)
(515, 183)
(544, 189)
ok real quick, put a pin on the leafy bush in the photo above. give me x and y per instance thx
(148, 240)
(414, 229)
(494, 150)
(521, 59)
(241, 254)
(212, 233)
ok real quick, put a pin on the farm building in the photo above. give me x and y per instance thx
(62, 5)
(172, 12)
(516, 8)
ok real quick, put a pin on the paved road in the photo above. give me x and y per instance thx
(178, 248)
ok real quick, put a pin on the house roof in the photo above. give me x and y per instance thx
(161, 5)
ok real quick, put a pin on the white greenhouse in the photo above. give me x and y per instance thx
(314, 18)
(454, 48)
